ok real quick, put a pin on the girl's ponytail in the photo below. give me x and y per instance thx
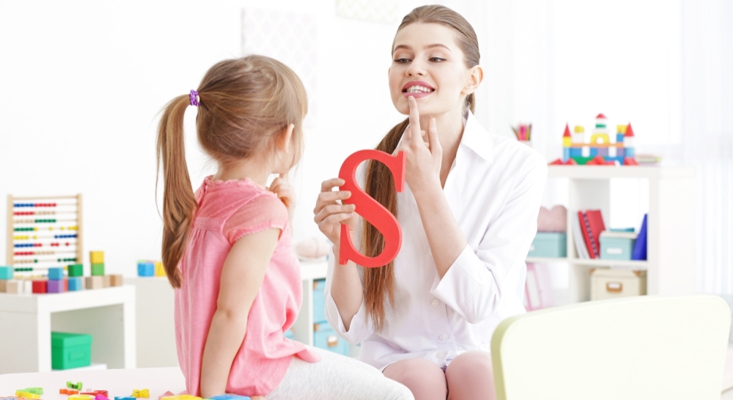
(179, 201)
(379, 184)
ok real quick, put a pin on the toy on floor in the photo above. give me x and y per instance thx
(141, 393)
(599, 150)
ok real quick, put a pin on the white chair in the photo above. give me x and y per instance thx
(648, 347)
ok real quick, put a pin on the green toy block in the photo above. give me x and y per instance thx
(70, 350)
(6, 273)
(76, 270)
(97, 269)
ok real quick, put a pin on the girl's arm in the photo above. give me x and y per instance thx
(241, 278)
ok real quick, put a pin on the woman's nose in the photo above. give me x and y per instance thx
(416, 68)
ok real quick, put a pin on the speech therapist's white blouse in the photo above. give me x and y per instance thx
(494, 190)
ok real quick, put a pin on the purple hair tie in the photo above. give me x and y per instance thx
(194, 98)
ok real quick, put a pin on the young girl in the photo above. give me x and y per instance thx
(468, 215)
(226, 248)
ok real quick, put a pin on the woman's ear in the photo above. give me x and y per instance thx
(284, 138)
(473, 80)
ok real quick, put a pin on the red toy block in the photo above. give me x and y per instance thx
(371, 210)
(630, 161)
(95, 392)
(557, 162)
(40, 286)
(571, 161)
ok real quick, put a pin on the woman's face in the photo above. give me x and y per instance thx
(428, 65)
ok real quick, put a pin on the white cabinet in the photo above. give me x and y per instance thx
(670, 263)
(26, 322)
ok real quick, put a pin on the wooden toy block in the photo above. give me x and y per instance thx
(67, 391)
(13, 287)
(95, 392)
(27, 395)
(6, 273)
(75, 283)
(166, 394)
(116, 280)
(159, 269)
(40, 286)
(93, 282)
(106, 281)
(55, 286)
(71, 385)
(141, 393)
(81, 397)
(124, 398)
(96, 257)
(3, 286)
(76, 270)
(55, 274)
(98, 269)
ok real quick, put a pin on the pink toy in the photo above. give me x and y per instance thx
(371, 210)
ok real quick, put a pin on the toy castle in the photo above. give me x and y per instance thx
(577, 150)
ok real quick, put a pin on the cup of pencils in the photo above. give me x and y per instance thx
(523, 133)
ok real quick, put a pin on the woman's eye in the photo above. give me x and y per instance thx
(402, 60)
(437, 59)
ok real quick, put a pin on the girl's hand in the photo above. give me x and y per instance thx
(423, 152)
(282, 188)
(330, 213)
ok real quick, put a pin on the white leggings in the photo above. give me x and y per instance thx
(336, 377)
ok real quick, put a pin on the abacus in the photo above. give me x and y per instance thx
(44, 232)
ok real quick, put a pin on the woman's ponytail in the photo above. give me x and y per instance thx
(179, 201)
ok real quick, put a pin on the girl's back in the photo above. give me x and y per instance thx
(227, 211)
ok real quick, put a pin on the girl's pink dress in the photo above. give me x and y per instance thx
(228, 210)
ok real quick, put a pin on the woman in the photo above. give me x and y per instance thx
(468, 215)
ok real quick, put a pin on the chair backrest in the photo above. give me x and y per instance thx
(648, 347)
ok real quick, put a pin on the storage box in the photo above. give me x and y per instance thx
(617, 245)
(324, 337)
(70, 350)
(613, 283)
(549, 244)
(319, 301)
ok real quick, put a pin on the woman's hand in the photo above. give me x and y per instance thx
(423, 152)
(284, 191)
(330, 213)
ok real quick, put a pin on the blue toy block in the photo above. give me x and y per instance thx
(619, 138)
(145, 268)
(566, 153)
(229, 397)
(75, 284)
(576, 152)
(593, 151)
(630, 152)
(6, 273)
(55, 274)
(125, 398)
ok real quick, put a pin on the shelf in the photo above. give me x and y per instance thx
(608, 172)
(92, 367)
(634, 265)
(313, 269)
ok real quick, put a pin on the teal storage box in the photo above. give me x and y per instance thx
(290, 334)
(549, 244)
(319, 301)
(617, 245)
(70, 350)
(324, 337)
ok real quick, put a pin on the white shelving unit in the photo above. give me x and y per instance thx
(303, 327)
(26, 322)
(670, 263)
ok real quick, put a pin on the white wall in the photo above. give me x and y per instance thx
(81, 83)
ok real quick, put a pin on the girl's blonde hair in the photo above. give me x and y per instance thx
(245, 106)
(379, 181)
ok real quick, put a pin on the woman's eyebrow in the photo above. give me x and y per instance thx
(406, 47)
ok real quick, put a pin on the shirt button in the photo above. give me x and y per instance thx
(443, 337)
(435, 303)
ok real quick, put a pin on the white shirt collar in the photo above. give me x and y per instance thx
(476, 138)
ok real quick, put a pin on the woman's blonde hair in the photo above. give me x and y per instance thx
(379, 282)
(245, 106)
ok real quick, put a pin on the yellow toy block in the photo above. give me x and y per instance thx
(81, 397)
(567, 141)
(578, 129)
(27, 395)
(96, 257)
(144, 393)
(599, 138)
(181, 397)
(159, 269)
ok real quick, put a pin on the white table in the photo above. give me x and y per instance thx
(26, 322)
